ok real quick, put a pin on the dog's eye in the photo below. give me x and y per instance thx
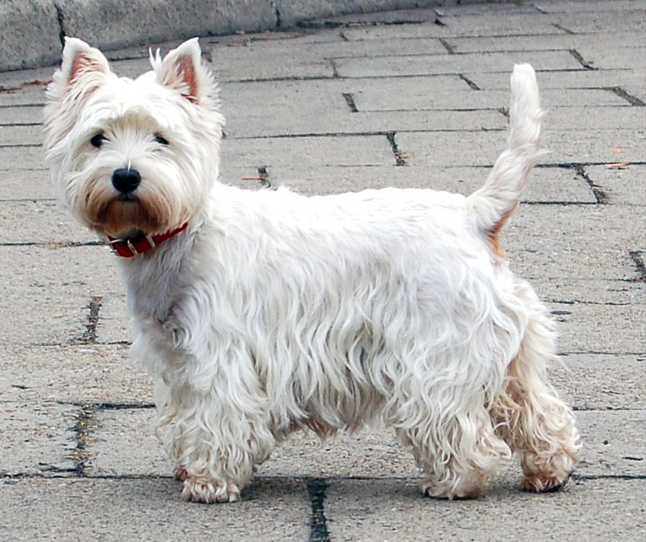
(98, 140)
(161, 140)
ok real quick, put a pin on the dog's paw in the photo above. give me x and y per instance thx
(544, 484)
(205, 491)
(435, 491)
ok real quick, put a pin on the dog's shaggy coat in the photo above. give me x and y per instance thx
(273, 311)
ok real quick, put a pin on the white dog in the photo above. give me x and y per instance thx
(259, 313)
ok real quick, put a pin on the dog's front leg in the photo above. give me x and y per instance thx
(215, 438)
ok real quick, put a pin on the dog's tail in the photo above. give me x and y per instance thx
(493, 204)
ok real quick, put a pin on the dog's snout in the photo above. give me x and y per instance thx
(126, 180)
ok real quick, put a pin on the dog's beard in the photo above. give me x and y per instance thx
(110, 213)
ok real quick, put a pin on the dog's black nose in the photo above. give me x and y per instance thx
(126, 180)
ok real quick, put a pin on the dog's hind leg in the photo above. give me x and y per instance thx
(528, 412)
(458, 452)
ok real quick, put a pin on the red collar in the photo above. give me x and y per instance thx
(127, 248)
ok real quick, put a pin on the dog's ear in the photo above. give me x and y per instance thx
(81, 65)
(182, 70)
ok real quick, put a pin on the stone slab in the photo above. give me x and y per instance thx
(39, 221)
(543, 43)
(480, 148)
(385, 66)
(571, 242)
(21, 135)
(29, 95)
(26, 184)
(84, 373)
(624, 185)
(583, 22)
(601, 328)
(19, 115)
(601, 381)
(318, 151)
(21, 158)
(613, 445)
(74, 272)
(411, 94)
(383, 510)
(68, 510)
(309, 107)
(574, 6)
(37, 439)
(602, 80)
(590, 291)
(546, 184)
(482, 25)
(256, 63)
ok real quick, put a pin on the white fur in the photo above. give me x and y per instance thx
(273, 311)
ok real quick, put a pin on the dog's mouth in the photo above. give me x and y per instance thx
(127, 198)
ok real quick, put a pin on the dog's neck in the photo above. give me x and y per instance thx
(153, 277)
(130, 246)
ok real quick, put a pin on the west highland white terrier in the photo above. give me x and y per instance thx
(259, 313)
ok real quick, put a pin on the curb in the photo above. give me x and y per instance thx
(34, 30)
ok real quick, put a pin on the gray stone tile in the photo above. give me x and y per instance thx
(601, 328)
(542, 43)
(21, 158)
(550, 81)
(589, 291)
(21, 135)
(40, 221)
(475, 63)
(37, 439)
(574, 6)
(546, 184)
(624, 184)
(84, 373)
(29, 114)
(26, 185)
(581, 22)
(613, 443)
(591, 510)
(488, 24)
(68, 510)
(601, 381)
(482, 148)
(318, 151)
(412, 94)
(30, 95)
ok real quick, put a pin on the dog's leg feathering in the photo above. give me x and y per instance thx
(530, 416)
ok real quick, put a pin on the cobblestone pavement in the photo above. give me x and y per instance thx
(408, 98)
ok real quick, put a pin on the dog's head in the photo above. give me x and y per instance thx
(130, 154)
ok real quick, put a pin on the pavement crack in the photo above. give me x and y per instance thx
(400, 156)
(89, 335)
(317, 490)
(638, 259)
(599, 193)
(449, 48)
(472, 84)
(632, 100)
(82, 430)
(563, 29)
(56, 244)
(349, 98)
(577, 56)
